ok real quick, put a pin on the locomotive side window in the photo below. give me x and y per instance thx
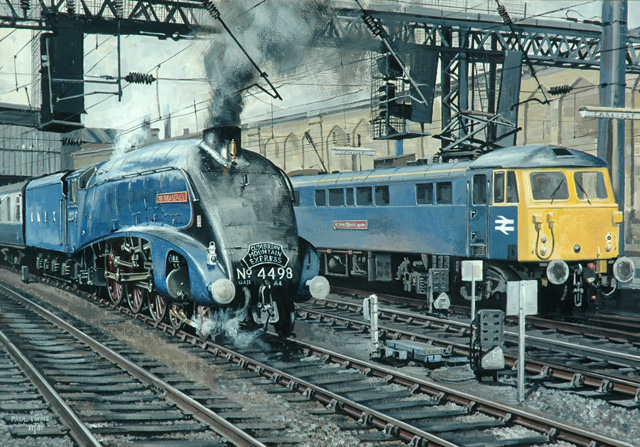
(382, 195)
(444, 193)
(590, 185)
(336, 197)
(512, 188)
(549, 186)
(498, 187)
(296, 197)
(349, 196)
(83, 180)
(364, 196)
(479, 190)
(321, 197)
(424, 193)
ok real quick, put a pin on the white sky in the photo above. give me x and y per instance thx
(182, 75)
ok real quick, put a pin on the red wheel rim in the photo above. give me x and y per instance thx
(116, 291)
(136, 299)
(157, 306)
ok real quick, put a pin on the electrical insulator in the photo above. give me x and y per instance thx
(560, 89)
(139, 78)
(372, 24)
(119, 5)
(504, 14)
(309, 139)
(71, 6)
(68, 141)
(25, 5)
(213, 10)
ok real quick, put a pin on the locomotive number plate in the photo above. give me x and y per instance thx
(350, 224)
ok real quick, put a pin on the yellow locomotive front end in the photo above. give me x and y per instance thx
(570, 222)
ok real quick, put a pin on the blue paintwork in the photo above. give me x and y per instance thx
(44, 216)
(11, 231)
(460, 229)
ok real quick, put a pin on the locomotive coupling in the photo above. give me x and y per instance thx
(318, 287)
(223, 291)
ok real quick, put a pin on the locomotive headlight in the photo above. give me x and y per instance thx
(223, 291)
(318, 287)
(557, 272)
(624, 269)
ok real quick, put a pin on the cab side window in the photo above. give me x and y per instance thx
(479, 190)
(498, 187)
(512, 188)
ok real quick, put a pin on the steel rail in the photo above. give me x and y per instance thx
(186, 403)
(78, 431)
(579, 376)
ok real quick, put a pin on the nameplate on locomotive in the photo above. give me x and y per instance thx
(350, 224)
(265, 253)
(172, 197)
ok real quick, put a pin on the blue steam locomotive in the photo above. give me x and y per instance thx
(530, 212)
(181, 228)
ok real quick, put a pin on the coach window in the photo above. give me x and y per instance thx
(444, 193)
(498, 187)
(19, 209)
(424, 193)
(382, 195)
(321, 197)
(336, 197)
(8, 209)
(364, 196)
(512, 188)
(479, 191)
(349, 196)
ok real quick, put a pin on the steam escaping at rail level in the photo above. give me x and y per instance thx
(255, 38)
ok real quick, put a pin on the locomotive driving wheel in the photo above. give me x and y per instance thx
(114, 287)
(158, 305)
(136, 297)
(137, 292)
(284, 326)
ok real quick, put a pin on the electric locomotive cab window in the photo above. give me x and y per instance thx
(444, 193)
(499, 190)
(590, 185)
(349, 196)
(424, 193)
(336, 197)
(296, 197)
(549, 185)
(479, 191)
(321, 197)
(382, 195)
(364, 196)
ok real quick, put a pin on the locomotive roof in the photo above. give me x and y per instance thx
(517, 157)
(536, 156)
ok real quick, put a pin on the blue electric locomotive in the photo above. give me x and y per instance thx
(182, 227)
(531, 212)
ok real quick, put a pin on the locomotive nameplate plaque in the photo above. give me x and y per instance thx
(172, 197)
(350, 224)
(265, 253)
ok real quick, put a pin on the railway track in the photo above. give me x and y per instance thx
(385, 404)
(105, 393)
(603, 367)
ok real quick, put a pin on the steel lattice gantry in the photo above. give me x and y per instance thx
(479, 104)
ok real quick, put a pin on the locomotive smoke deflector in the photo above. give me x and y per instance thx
(223, 143)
